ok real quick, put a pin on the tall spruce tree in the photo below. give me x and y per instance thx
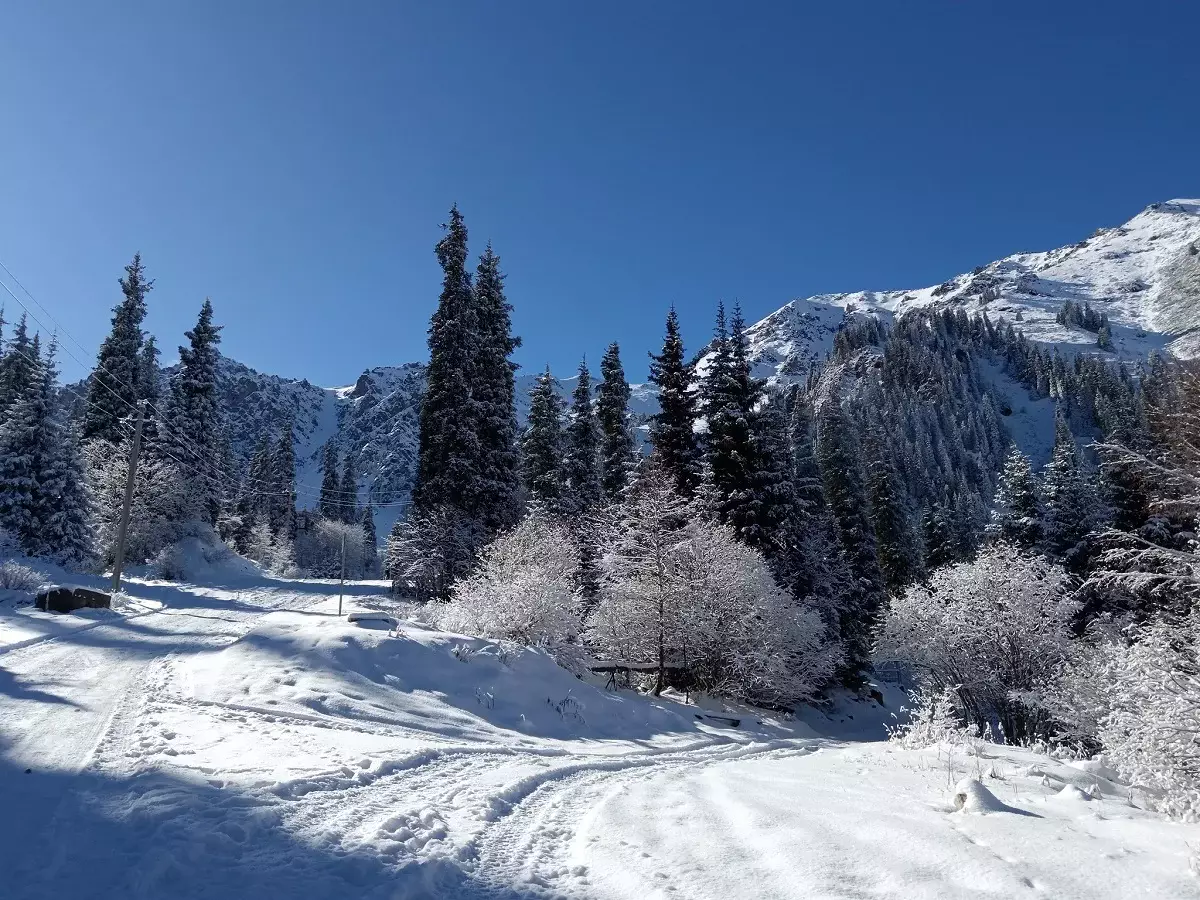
(582, 464)
(1016, 508)
(818, 573)
(114, 386)
(618, 453)
(253, 505)
(329, 505)
(840, 461)
(197, 431)
(1071, 506)
(672, 428)
(449, 464)
(283, 485)
(728, 396)
(370, 541)
(43, 499)
(898, 551)
(18, 367)
(349, 489)
(495, 394)
(939, 536)
(542, 443)
(150, 389)
(773, 503)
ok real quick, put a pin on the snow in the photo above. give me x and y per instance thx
(240, 739)
(1145, 274)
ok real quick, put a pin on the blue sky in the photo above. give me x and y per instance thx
(293, 160)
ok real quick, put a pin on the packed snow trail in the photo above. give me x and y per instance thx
(249, 743)
(62, 687)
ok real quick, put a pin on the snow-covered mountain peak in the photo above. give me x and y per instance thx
(1145, 275)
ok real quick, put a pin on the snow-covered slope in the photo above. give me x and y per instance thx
(1144, 274)
(245, 741)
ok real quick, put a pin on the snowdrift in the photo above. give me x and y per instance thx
(312, 663)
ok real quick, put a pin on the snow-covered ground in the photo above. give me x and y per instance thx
(239, 739)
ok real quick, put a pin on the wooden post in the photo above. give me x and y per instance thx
(130, 480)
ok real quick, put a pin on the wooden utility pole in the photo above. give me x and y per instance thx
(342, 583)
(130, 480)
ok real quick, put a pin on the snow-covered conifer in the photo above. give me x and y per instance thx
(1016, 508)
(449, 466)
(370, 542)
(494, 391)
(542, 443)
(618, 452)
(114, 386)
(329, 504)
(581, 467)
(672, 428)
(348, 490)
(194, 416)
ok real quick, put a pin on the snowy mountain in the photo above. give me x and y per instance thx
(1145, 275)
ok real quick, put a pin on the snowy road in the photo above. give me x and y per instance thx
(247, 743)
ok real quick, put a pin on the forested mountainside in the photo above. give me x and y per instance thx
(1140, 281)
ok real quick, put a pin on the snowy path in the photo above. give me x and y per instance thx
(63, 689)
(250, 744)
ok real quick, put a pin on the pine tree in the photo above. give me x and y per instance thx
(941, 547)
(450, 456)
(582, 464)
(618, 453)
(542, 443)
(149, 386)
(841, 467)
(1016, 508)
(253, 504)
(495, 392)
(729, 395)
(370, 541)
(818, 571)
(17, 367)
(349, 489)
(20, 459)
(283, 485)
(1071, 506)
(898, 553)
(672, 428)
(63, 507)
(330, 503)
(767, 516)
(194, 416)
(43, 499)
(114, 386)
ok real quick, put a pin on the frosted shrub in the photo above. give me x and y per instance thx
(17, 577)
(933, 719)
(993, 631)
(522, 590)
(1141, 701)
(684, 592)
(318, 549)
(161, 513)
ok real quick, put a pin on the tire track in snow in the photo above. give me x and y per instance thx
(534, 820)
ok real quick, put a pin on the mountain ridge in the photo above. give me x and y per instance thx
(1144, 274)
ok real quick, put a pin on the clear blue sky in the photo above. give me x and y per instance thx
(293, 160)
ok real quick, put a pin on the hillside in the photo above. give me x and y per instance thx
(1145, 275)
